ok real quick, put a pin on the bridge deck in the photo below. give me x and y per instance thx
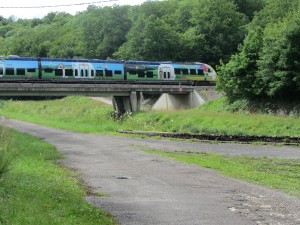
(64, 89)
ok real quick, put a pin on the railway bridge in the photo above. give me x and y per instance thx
(127, 96)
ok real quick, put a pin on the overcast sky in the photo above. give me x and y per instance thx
(41, 12)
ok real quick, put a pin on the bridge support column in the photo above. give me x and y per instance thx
(135, 100)
(127, 104)
(173, 102)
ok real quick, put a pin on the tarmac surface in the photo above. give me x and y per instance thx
(147, 189)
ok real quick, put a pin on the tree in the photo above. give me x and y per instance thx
(105, 30)
(279, 64)
(237, 78)
(267, 65)
(150, 39)
(249, 7)
(222, 28)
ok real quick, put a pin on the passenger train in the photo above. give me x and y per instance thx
(12, 67)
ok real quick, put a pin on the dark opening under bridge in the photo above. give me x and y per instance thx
(127, 96)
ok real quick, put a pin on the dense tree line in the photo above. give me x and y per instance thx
(256, 41)
(182, 30)
(267, 65)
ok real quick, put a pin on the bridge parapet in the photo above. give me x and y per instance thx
(57, 89)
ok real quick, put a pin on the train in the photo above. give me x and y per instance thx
(20, 67)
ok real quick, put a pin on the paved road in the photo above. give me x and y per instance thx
(147, 189)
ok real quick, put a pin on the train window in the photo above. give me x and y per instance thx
(209, 70)
(76, 73)
(200, 72)
(92, 73)
(177, 71)
(1, 71)
(86, 73)
(185, 71)
(48, 70)
(31, 70)
(141, 74)
(165, 75)
(132, 72)
(118, 72)
(149, 74)
(192, 71)
(81, 73)
(10, 71)
(99, 73)
(58, 72)
(20, 71)
(108, 73)
(68, 72)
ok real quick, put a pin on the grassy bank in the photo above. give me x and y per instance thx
(87, 115)
(281, 174)
(35, 190)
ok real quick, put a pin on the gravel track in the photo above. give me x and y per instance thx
(147, 189)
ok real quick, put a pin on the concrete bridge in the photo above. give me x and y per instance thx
(126, 97)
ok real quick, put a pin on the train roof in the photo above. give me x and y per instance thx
(22, 58)
(135, 62)
(142, 62)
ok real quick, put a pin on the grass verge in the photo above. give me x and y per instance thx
(36, 190)
(87, 115)
(281, 174)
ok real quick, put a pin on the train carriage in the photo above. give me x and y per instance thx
(61, 68)
(141, 70)
(14, 67)
(82, 68)
(193, 71)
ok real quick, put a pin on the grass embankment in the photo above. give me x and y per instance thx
(282, 174)
(87, 115)
(35, 190)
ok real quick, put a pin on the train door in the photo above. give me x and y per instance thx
(166, 72)
(1, 69)
(84, 71)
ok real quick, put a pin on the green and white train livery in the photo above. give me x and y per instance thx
(60, 68)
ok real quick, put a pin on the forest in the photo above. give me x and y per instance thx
(253, 44)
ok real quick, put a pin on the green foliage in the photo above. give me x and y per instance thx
(249, 7)
(6, 153)
(104, 30)
(279, 65)
(36, 190)
(156, 30)
(280, 174)
(150, 39)
(267, 65)
(237, 78)
(87, 115)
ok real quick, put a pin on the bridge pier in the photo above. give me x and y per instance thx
(173, 102)
(166, 102)
(127, 104)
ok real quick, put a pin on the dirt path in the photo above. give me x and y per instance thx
(147, 189)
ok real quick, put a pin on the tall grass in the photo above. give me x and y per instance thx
(37, 191)
(87, 115)
(6, 153)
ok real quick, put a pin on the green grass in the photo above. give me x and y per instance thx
(6, 154)
(87, 115)
(281, 174)
(36, 190)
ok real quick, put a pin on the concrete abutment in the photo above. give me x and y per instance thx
(166, 102)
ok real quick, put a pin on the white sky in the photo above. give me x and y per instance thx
(41, 12)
